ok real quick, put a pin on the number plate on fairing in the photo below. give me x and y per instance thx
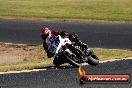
(54, 42)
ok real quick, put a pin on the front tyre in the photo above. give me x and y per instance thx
(57, 62)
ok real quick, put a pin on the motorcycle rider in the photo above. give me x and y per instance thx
(47, 34)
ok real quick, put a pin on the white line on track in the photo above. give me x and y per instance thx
(116, 60)
(23, 71)
(13, 44)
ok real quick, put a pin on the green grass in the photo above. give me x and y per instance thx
(84, 9)
(107, 54)
(103, 54)
(26, 66)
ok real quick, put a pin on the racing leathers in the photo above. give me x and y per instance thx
(50, 39)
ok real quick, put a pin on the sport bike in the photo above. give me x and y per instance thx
(66, 52)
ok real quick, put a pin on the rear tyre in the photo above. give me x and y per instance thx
(92, 59)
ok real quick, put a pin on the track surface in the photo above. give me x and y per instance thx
(66, 78)
(106, 35)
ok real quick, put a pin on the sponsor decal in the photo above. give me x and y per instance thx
(101, 78)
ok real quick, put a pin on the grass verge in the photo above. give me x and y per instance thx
(26, 66)
(107, 54)
(41, 61)
(84, 9)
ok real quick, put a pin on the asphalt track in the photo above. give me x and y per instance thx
(66, 78)
(106, 35)
(101, 35)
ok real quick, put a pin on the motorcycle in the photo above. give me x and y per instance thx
(66, 52)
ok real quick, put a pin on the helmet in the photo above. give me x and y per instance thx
(45, 31)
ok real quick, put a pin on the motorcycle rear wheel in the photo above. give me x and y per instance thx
(93, 60)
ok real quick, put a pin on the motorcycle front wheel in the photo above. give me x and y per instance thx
(59, 60)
